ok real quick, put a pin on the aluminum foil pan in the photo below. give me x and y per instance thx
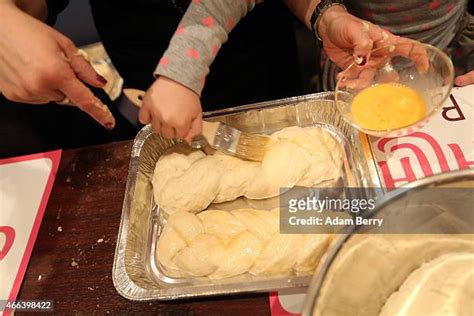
(444, 207)
(136, 274)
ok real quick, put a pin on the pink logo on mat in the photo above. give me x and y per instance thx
(420, 159)
(277, 308)
(9, 233)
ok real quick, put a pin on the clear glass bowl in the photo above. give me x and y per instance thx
(421, 67)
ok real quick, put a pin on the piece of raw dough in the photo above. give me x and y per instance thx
(297, 156)
(221, 244)
(441, 287)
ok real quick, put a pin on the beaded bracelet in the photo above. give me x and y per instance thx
(319, 11)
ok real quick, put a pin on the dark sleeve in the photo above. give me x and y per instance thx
(54, 8)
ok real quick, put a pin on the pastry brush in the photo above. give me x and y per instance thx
(221, 137)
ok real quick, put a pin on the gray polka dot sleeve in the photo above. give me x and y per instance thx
(204, 28)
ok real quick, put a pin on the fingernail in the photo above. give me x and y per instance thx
(391, 48)
(360, 60)
(101, 79)
(110, 126)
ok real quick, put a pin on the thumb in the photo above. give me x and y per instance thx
(196, 129)
(144, 116)
(465, 79)
(81, 67)
(361, 41)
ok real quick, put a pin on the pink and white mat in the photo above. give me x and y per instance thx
(25, 186)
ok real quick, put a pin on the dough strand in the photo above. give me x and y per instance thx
(298, 156)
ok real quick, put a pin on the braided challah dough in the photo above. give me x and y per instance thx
(297, 156)
(221, 244)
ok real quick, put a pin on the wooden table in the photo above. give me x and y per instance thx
(73, 255)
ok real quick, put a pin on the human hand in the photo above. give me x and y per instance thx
(39, 65)
(465, 79)
(348, 39)
(173, 110)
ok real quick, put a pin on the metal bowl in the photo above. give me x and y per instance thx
(444, 207)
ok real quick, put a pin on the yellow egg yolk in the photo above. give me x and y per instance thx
(387, 106)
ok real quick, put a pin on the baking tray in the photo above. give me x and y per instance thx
(136, 274)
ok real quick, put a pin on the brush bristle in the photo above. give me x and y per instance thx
(252, 147)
